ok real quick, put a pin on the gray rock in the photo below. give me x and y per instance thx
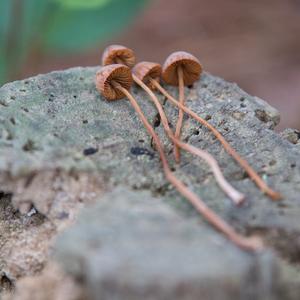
(133, 246)
(292, 135)
(62, 145)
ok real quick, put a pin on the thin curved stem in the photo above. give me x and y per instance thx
(243, 163)
(250, 244)
(180, 113)
(235, 195)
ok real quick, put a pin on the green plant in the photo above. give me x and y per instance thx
(62, 26)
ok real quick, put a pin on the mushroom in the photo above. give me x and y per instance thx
(123, 55)
(143, 72)
(113, 82)
(242, 162)
(180, 69)
(111, 76)
(117, 54)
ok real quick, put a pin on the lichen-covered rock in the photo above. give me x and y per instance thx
(133, 246)
(62, 146)
(292, 135)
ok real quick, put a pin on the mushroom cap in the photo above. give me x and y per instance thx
(190, 65)
(117, 54)
(146, 70)
(113, 73)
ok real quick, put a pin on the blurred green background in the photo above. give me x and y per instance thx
(38, 27)
(254, 43)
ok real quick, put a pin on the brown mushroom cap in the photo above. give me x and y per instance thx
(117, 54)
(113, 73)
(146, 70)
(190, 65)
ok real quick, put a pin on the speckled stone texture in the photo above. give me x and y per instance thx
(63, 146)
(133, 246)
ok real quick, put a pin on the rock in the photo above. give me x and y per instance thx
(133, 246)
(51, 284)
(33, 232)
(292, 135)
(62, 146)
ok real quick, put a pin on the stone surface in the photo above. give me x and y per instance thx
(292, 135)
(62, 146)
(51, 284)
(33, 232)
(133, 246)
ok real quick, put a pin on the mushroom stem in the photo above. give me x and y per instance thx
(180, 113)
(235, 195)
(243, 163)
(249, 244)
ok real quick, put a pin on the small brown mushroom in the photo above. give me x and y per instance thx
(144, 72)
(113, 77)
(188, 63)
(242, 162)
(109, 76)
(117, 54)
(147, 71)
(181, 68)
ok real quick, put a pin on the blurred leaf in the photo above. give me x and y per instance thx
(5, 6)
(2, 68)
(19, 24)
(74, 30)
(34, 12)
(34, 26)
(82, 4)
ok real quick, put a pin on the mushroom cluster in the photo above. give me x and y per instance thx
(114, 80)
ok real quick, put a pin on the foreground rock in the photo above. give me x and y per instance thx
(51, 283)
(133, 246)
(62, 147)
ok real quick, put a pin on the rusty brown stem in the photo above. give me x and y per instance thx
(232, 193)
(180, 113)
(246, 243)
(242, 162)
